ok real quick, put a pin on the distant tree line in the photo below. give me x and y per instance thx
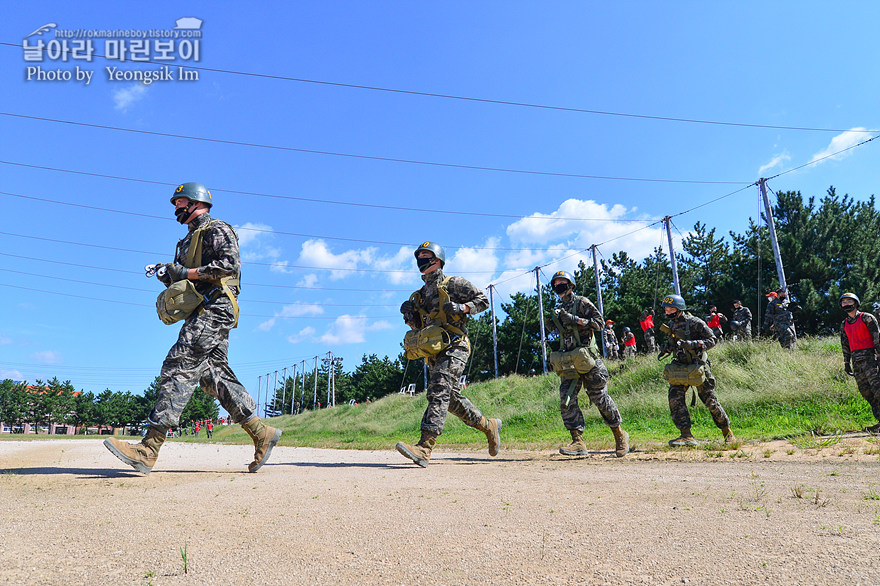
(40, 403)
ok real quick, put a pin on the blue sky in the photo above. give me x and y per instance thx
(803, 64)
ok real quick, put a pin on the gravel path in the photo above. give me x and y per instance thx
(72, 513)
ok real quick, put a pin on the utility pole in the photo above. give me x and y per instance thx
(494, 329)
(329, 374)
(274, 393)
(293, 392)
(266, 402)
(302, 402)
(667, 221)
(259, 390)
(283, 389)
(315, 395)
(541, 318)
(598, 295)
(771, 225)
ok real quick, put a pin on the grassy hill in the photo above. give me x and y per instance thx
(768, 393)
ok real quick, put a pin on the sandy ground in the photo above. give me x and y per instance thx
(70, 512)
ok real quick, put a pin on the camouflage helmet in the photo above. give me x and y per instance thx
(433, 248)
(562, 275)
(676, 301)
(852, 296)
(193, 192)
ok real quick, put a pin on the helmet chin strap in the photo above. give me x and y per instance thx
(184, 214)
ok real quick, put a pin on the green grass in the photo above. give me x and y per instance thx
(768, 393)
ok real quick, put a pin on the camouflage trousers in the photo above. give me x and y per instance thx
(718, 333)
(787, 337)
(444, 391)
(596, 383)
(868, 378)
(743, 333)
(681, 417)
(610, 351)
(200, 357)
(650, 343)
(629, 351)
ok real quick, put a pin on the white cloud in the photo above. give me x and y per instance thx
(351, 329)
(309, 280)
(11, 374)
(402, 261)
(304, 334)
(125, 97)
(293, 310)
(774, 162)
(476, 261)
(47, 357)
(842, 141)
(254, 242)
(567, 220)
(250, 232)
(316, 253)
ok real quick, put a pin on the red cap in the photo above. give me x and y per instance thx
(609, 321)
(772, 294)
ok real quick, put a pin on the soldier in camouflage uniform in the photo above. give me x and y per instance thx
(860, 341)
(646, 321)
(444, 390)
(741, 322)
(690, 340)
(577, 320)
(779, 319)
(610, 340)
(200, 354)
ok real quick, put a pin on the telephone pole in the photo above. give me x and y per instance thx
(667, 221)
(315, 395)
(771, 226)
(293, 391)
(598, 295)
(541, 316)
(494, 329)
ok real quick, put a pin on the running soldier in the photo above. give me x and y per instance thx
(860, 341)
(629, 343)
(609, 338)
(647, 325)
(577, 321)
(688, 343)
(741, 324)
(779, 319)
(200, 354)
(446, 302)
(714, 321)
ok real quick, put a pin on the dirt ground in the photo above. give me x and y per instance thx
(774, 513)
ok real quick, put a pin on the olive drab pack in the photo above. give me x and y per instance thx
(180, 299)
(573, 363)
(429, 341)
(686, 375)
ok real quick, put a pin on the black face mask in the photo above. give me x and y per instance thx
(183, 214)
(847, 308)
(561, 288)
(424, 263)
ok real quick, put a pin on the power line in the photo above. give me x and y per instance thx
(65, 294)
(814, 161)
(357, 156)
(481, 100)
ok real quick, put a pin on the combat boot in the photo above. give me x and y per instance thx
(873, 428)
(729, 438)
(142, 456)
(621, 442)
(685, 439)
(421, 452)
(264, 437)
(577, 447)
(492, 428)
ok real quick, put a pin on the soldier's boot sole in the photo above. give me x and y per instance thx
(128, 455)
(494, 437)
(681, 442)
(256, 465)
(413, 453)
(574, 451)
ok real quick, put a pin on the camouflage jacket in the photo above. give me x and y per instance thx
(609, 337)
(873, 329)
(743, 316)
(220, 257)
(590, 317)
(460, 290)
(687, 327)
(778, 315)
